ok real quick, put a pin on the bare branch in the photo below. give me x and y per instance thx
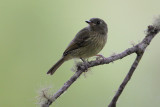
(141, 48)
(138, 49)
(64, 88)
(125, 81)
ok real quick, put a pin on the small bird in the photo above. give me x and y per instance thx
(88, 42)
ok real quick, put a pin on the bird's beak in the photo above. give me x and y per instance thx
(90, 23)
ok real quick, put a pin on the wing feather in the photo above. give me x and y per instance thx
(80, 40)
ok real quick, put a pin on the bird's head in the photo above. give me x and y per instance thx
(97, 24)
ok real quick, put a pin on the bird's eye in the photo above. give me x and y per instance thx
(98, 22)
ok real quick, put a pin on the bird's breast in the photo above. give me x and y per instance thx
(97, 42)
(94, 45)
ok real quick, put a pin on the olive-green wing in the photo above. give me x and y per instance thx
(80, 40)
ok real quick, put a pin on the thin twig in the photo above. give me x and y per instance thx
(125, 81)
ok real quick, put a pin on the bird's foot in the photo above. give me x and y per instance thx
(85, 64)
(99, 56)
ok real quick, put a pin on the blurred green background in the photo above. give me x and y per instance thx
(34, 34)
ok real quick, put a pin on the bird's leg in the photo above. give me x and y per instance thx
(85, 63)
(100, 56)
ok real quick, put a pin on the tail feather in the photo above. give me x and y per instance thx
(56, 66)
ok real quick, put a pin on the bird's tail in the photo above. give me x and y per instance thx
(56, 66)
